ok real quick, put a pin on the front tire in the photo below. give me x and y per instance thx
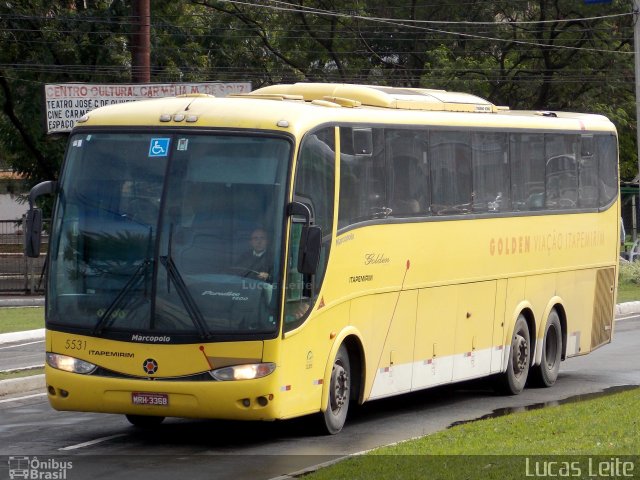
(339, 392)
(512, 382)
(546, 374)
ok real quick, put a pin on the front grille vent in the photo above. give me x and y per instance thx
(198, 377)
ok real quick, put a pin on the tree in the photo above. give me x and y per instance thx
(539, 54)
(46, 41)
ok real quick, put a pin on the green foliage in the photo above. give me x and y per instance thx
(630, 273)
(47, 42)
(570, 56)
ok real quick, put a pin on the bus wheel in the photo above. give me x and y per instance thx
(144, 421)
(339, 392)
(514, 379)
(545, 374)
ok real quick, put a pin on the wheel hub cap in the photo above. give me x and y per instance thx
(339, 387)
(520, 354)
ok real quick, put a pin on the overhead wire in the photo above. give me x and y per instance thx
(381, 27)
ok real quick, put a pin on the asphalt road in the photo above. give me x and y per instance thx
(106, 446)
(21, 354)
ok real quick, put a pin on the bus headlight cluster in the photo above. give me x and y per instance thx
(244, 372)
(69, 364)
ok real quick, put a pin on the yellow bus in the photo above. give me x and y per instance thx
(305, 248)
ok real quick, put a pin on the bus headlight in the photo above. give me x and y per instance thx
(69, 364)
(244, 372)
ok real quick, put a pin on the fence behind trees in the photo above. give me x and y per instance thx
(18, 273)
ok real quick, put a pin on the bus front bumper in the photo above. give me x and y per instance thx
(232, 400)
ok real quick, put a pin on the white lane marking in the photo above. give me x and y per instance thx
(22, 345)
(23, 398)
(92, 442)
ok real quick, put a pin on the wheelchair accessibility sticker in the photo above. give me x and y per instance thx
(159, 147)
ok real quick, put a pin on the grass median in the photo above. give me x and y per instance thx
(18, 319)
(585, 436)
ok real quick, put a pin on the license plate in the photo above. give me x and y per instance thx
(144, 398)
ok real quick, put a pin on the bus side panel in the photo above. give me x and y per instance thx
(538, 291)
(304, 357)
(499, 326)
(576, 291)
(474, 330)
(604, 305)
(435, 337)
(371, 315)
(394, 361)
(592, 326)
(514, 304)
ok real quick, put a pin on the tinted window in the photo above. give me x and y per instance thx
(605, 147)
(561, 171)
(362, 178)
(490, 172)
(407, 153)
(314, 186)
(526, 152)
(450, 159)
(587, 173)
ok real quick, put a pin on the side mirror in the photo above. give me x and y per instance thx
(33, 227)
(33, 236)
(310, 247)
(310, 239)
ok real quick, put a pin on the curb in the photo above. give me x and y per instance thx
(22, 336)
(21, 385)
(22, 302)
(628, 308)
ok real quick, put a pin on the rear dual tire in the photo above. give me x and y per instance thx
(546, 374)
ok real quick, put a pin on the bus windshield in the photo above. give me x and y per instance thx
(168, 235)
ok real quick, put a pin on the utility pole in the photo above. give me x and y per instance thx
(141, 39)
(636, 47)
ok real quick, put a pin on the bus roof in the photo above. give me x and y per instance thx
(296, 108)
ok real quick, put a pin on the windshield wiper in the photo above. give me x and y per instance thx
(140, 275)
(133, 282)
(173, 275)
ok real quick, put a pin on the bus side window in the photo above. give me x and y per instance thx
(491, 191)
(526, 152)
(608, 167)
(406, 198)
(362, 181)
(587, 173)
(314, 186)
(561, 171)
(408, 186)
(450, 157)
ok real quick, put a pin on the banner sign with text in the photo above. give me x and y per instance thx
(65, 103)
